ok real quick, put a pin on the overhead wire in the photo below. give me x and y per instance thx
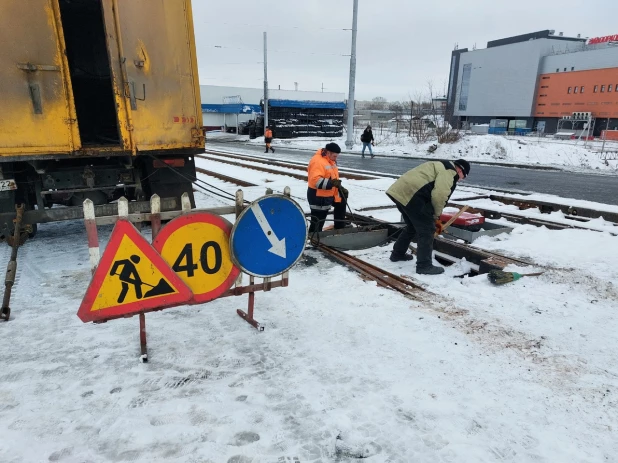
(278, 51)
(195, 180)
(279, 26)
(314, 239)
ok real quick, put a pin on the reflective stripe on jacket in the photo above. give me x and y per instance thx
(428, 187)
(320, 192)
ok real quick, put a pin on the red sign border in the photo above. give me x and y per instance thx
(121, 229)
(209, 218)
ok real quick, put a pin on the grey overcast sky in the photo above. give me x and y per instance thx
(401, 44)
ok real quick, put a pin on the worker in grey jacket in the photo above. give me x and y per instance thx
(420, 195)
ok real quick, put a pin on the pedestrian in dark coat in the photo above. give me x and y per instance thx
(367, 139)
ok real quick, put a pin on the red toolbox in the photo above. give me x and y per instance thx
(464, 220)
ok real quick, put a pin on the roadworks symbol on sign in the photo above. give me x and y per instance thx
(131, 278)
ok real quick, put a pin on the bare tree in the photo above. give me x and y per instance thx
(378, 103)
(440, 118)
(397, 110)
(418, 128)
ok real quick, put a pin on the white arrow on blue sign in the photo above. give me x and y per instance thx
(269, 236)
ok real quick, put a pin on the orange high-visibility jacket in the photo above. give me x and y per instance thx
(268, 133)
(320, 192)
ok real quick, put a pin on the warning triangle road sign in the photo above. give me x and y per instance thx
(131, 278)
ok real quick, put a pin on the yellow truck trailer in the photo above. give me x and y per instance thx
(98, 99)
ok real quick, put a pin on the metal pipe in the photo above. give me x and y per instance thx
(142, 338)
(11, 269)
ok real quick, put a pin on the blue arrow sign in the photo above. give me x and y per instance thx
(269, 236)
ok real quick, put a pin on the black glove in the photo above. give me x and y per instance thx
(344, 192)
(336, 182)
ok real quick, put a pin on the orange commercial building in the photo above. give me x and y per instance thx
(537, 82)
(563, 93)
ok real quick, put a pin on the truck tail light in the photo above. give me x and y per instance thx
(159, 163)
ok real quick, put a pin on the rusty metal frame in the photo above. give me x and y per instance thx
(11, 271)
(547, 207)
(77, 212)
(407, 287)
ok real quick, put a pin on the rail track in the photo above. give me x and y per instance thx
(447, 251)
(574, 216)
(405, 286)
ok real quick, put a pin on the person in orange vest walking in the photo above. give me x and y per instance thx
(324, 188)
(268, 138)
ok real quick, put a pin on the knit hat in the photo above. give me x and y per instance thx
(333, 148)
(463, 165)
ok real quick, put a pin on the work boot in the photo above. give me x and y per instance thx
(432, 270)
(398, 257)
(266, 150)
(273, 150)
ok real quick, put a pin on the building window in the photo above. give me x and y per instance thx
(564, 69)
(575, 90)
(573, 68)
(609, 88)
(581, 90)
(569, 90)
(541, 104)
(546, 77)
(602, 88)
(544, 86)
(596, 89)
(557, 70)
(465, 87)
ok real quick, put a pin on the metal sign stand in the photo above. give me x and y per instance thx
(267, 284)
(155, 217)
(123, 212)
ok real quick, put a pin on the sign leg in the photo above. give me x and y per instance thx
(142, 338)
(248, 317)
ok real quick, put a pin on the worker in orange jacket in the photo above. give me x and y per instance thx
(324, 188)
(268, 138)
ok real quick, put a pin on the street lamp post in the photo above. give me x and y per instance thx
(265, 84)
(350, 139)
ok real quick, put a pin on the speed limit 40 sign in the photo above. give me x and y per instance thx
(196, 247)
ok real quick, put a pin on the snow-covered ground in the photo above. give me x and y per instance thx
(344, 371)
(529, 151)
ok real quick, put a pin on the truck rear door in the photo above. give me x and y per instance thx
(152, 54)
(37, 114)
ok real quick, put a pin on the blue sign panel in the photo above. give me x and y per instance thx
(269, 236)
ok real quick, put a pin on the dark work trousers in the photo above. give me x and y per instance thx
(420, 227)
(318, 216)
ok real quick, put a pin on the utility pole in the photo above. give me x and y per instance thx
(350, 139)
(265, 84)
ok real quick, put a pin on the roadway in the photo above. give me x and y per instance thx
(601, 188)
